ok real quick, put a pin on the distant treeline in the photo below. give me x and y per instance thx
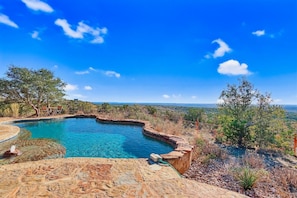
(291, 110)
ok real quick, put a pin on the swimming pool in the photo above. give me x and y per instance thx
(85, 137)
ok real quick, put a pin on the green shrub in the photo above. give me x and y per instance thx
(151, 110)
(247, 177)
(200, 142)
(194, 114)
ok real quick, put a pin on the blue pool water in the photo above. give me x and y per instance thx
(85, 137)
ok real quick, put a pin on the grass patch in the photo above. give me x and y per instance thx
(246, 176)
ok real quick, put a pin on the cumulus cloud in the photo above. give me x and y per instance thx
(112, 74)
(70, 87)
(5, 20)
(233, 67)
(92, 34)
(223, 48)
(35, 35)
(88, 87)
(38, 5)
(259, 33)
(165, 96)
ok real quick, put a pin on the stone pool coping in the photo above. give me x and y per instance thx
(8, 132)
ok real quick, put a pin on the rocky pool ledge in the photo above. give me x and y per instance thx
(180, 158)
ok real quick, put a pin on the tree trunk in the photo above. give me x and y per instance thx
(240, 140)
(36, 109)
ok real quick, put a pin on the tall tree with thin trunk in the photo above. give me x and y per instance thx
(32, 87)
(236, 112)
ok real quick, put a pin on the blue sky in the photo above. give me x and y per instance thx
(184, 51)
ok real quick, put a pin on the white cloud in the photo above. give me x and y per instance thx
(5, 20)
(194, 97)
(94, 34)
(104, 30)
(233, 67)
(67, 30)
(92, 69)
(88, 88)
(259, 33)
(35, 35)
(223, 48)
(38, 5)
(97, 40)
(70, 87)
(82, 72)
(112, 74)
(106, 73)
(165, 96)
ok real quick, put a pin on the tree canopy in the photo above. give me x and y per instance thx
(32, 87)
(247, 116)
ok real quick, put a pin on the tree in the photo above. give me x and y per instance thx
(32, 87)
(268, 121)
(194, 114)
(236, 113)
(245, 122)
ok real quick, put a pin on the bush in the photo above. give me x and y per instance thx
(253, 161)
(194, 114)
(247, 177)
(286, 178)
(151, 110)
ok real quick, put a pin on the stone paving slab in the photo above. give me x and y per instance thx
(7, 132)
(99, 177)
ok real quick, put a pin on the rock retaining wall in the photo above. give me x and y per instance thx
(180, 158)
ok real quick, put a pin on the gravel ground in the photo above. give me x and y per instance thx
(279, 180)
